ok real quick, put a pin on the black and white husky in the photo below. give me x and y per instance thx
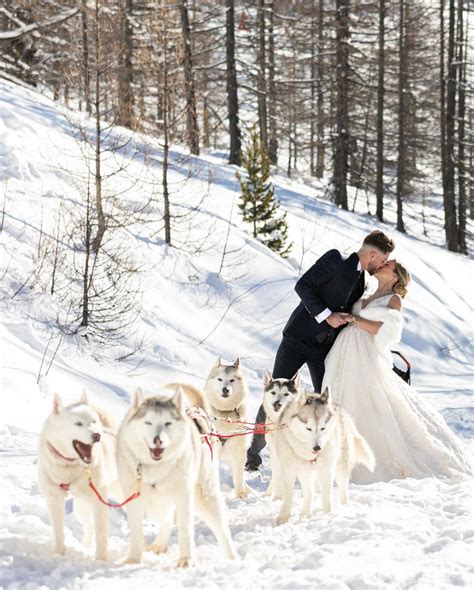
(277, 395)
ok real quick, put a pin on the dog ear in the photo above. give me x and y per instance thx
(296, 380)
(84, 398)
(138, 398)
(267, 377)
(324, 397)
(178, 399)
(237, 363)
(218, 363)
(57, 404)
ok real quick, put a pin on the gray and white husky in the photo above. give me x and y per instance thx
(226, 392)
(277, 395)
(159, 449)
(317, 437)
(77, 441)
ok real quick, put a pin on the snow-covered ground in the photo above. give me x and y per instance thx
(403, 534)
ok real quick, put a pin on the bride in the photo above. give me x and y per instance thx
(408, 437)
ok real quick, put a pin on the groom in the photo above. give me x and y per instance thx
(327, 292)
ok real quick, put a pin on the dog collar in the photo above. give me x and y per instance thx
(58, 454)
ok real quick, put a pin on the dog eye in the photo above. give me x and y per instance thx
(219, 379)
(286, 394)
(147, 423)
(310, 429)
(324, 428)
(231, 380)
(167, 423)
(273, 392)
(77, 423)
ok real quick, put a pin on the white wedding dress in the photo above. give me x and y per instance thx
(408, 436)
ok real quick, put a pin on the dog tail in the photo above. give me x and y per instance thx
(363, 453)
(194, 395)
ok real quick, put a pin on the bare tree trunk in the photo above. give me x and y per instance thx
(380, 112)
(261, 75)
(272, 114)
(85, 55)
(442, 88)
(125, 76)
(192, 131)
(461, 117)
(471, 165)
(166, 147)
(312, 128)
(451, 228)
(231, 84)
(205, 122)
(85, 276)
(101, 224)
(342, 114)
(319, 89)
(401, 117)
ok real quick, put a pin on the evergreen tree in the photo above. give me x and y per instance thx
(257, 201)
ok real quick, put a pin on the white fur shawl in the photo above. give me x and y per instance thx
(390, 332)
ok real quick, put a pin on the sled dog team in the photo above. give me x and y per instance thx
(162, 463)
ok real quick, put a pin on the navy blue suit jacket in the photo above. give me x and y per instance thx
(331, 282)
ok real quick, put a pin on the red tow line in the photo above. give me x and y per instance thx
(112, 504)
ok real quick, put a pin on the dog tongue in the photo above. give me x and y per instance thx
(156, 452)
(84, 451)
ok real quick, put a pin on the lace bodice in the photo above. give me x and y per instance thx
(379, 302)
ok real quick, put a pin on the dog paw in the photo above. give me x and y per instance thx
(282, 519)
(157, 548)
(243, 492)
(60, 549)
(185, 562)
(131, 560)
(101, 556)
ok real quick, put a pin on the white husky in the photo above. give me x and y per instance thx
(77, 441)
(159, 449)
(277, 395)
(317, 437)
(226, 391)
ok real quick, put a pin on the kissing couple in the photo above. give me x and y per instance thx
(344, 338)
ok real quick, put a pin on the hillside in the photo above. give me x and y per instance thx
(221, 293)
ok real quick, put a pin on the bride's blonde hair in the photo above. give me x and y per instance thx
(404, 278)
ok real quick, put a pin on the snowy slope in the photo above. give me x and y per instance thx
(402, 534)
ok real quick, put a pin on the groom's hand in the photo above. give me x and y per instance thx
(337, 319)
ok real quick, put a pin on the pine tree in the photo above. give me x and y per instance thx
(257, 201)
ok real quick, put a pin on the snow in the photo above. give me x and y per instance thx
(402, 534)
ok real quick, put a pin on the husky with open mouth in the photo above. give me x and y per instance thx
(77, 442)
(159, 449)
(317, 437)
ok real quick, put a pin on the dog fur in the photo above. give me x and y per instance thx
(277, 395)
(76, 439)
(160, 444)
(317, 437)
(226, 393)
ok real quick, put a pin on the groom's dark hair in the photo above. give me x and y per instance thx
(379, 240)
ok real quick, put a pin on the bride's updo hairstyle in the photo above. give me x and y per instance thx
(404, 278)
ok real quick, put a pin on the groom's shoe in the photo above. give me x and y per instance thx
(253, 462)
